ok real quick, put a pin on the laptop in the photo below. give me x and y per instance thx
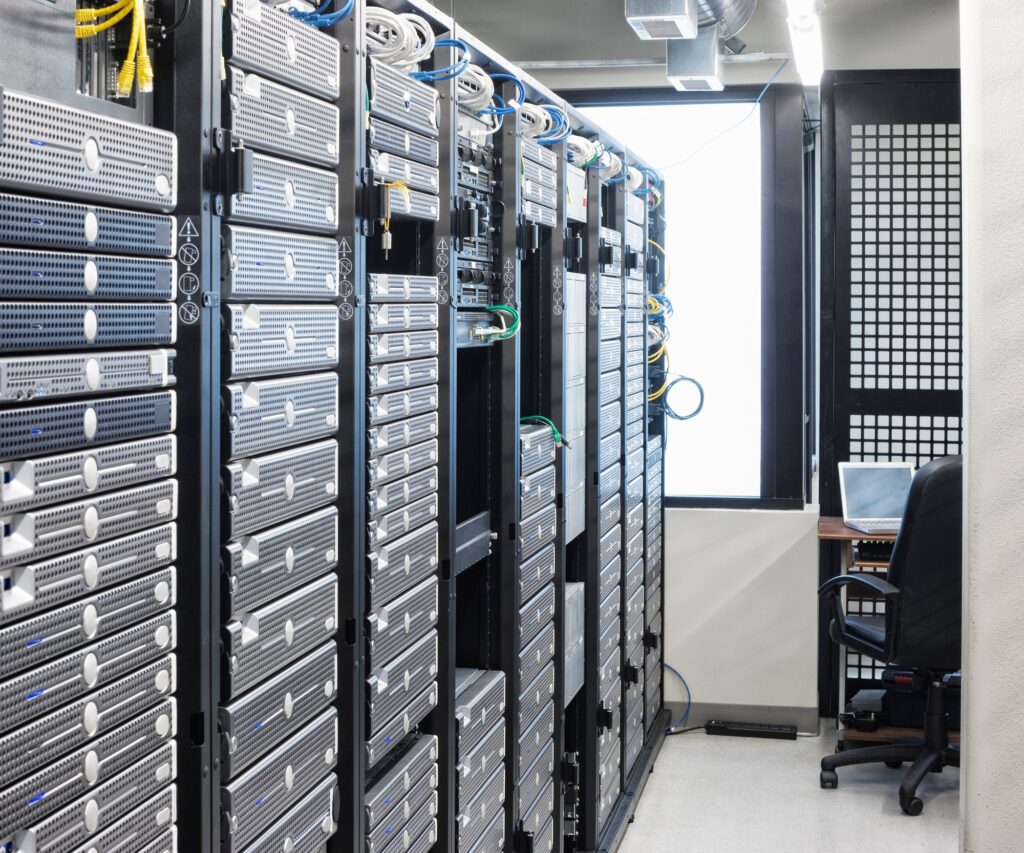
(874, 494)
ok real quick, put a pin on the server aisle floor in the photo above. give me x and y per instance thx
(746, 794)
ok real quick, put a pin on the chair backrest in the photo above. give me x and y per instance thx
(926, 566)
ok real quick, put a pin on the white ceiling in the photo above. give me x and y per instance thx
(858, 34)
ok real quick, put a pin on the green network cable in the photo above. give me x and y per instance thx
(559, 439)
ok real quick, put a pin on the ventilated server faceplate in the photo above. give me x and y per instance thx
(44, 223)
(397, 98)
(267, 414)
(60, 149)
(538, 612)
(399, 346)
(405, 821)
(28, 483)
(401, 374)
(535, 572)
(35, 377)
(387, 792)
(405, 203)
(288, 195)
(26, 274)
(257, 798)
(70, 325)
(395, 626)
(539, 214)
(399, 565)
(45, 791)
(264, 717)
(147, 825)
(394, 685)
(536, 655)
(35, 640)
(401, 318)
(270, 117)
(270, 638)
(391, 466)
(32, 535)
(535, 696)
(382, 408)
(537, 530)
(390, 167)
(44, 740)
(475, 767)
(405, 143)
(268, 40)
(76, 825)
(398, 522)
(392, 733)
(479, 701)
(533, 741)
(536, 490)
(537, 777)
(264, 264)
(474, 817)
(273, 562)
(540, 812)
(276, 339)
(609, 481)
(307, 826)
(34, 430)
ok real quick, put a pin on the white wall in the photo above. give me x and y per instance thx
(992, 778)
(741, 608)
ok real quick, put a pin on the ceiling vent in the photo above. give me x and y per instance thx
(662, 19)
(695, 65)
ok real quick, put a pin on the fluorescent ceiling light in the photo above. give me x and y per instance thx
(805, 34)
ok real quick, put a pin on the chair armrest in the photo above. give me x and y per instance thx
(879, 585)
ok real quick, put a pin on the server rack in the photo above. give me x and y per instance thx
(279, 311)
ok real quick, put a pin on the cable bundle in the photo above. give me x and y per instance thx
(634, 179)
(476, 89)
(400, 40)
(612, 167)
(544, 123)
(320, 17)
(137, 65)
(506, 331)
(582, 152)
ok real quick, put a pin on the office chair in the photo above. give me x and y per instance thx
(921, 626)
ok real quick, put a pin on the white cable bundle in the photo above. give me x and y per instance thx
(611, 165)
(400, 40)
(580, 151)
(476, 89)
(634, 179)
(535, 121)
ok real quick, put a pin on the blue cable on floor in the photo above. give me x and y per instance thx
(689, 698)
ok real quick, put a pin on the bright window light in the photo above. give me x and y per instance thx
(805, 35)
(712, 213)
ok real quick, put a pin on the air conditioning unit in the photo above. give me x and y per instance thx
(695, 65)
(662, 19)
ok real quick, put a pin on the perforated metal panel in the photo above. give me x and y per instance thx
(254, 800)
(388, 791)
(68, 829)
(396, 566)
(390, 466)
(405, 822)
(475, 817)
(535, 816)
(28, 274)
(538, 530)
(536, 614)
(41, 793)
(32, 535)
(533, 212)
(402, 203)
(287, 195)
(535, 696)
(533, 658)
(267, 414)
(475, 766)
(305, 827)
(533, 740)
(268, 40)
(535, 572)
(388, 167)
(271, 637)
(45, 429)
(394, 685)
(25, 484)
(393, 627)
(30, 377)
(276, 339)
(402, 374)
(277, 709)
(268, 116)
(398, 346)
(280, 559)
(405, 143)
(42, 741)
(57, 149)
(63, 325)
(61, 681)
(380, 744)
(397, 98)
(44, 223)
(383, 408)
(401, 318)
(265, 264)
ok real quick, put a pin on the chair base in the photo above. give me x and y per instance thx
(926, 755)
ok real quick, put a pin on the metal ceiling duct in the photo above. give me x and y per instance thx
(732, 15)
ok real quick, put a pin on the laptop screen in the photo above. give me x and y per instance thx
(876, 492)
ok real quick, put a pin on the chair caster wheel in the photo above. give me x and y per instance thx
(829, 779)
(895, 765)
(911, 806)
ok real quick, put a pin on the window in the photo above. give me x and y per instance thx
(713, 237)
(734, 167)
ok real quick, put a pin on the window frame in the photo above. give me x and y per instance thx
(786, 359)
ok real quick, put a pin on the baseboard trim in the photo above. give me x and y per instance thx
(806, 719)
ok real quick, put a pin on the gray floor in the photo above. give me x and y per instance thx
(721, 793)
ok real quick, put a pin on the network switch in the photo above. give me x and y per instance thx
(251, 726)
